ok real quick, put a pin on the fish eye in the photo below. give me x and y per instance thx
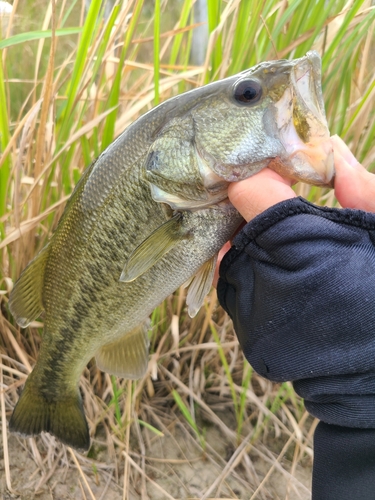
(248, 92)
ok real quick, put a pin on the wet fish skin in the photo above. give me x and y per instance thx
(146, 216)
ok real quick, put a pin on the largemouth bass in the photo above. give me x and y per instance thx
(148, 215)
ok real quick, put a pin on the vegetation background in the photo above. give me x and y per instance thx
(73, 75)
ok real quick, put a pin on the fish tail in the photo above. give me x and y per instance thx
(63, 417)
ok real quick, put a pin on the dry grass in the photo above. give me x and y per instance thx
(200, 424)
(141, 459)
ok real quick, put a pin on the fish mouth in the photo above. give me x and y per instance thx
(303, 127)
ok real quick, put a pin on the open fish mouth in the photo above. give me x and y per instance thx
(270, 115)
(303, 128)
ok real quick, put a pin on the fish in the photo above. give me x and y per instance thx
(150, 214)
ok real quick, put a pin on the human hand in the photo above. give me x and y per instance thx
(354, 185)
(354, 188)
(299, 290)
(254, 195)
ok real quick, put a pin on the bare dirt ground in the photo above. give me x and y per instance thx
(174, 465)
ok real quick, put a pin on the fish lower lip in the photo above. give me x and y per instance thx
(312, 163)
(315, 164)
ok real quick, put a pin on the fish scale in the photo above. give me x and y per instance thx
(150, 214)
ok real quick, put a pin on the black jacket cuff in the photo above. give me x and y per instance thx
(299, 284)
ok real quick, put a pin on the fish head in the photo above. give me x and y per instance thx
(270, 115)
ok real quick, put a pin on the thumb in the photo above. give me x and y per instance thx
(259, 192)
(354, 185)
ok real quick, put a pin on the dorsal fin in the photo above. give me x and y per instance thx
(26, 298)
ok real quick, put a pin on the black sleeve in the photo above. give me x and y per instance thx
(299, 285)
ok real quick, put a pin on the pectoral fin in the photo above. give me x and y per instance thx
(26, 298)
(153, 248)
(128, 356)
(200, 286)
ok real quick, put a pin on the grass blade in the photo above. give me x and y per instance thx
(82, 52)
(156, 51)
(176, 46)
(185, 411)
(340, 33)
(214, 14)
(4, 140)
(114, 96)
(36, 35)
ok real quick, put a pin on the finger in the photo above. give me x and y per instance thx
(259, 192)
(253, 196)
(220, 256)
(339, 147)
(354, 186)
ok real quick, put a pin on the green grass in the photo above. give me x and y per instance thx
(69, 85)
(117, 392)
(189, 418)
(4, 141)
(22, 38)
(157, 52)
